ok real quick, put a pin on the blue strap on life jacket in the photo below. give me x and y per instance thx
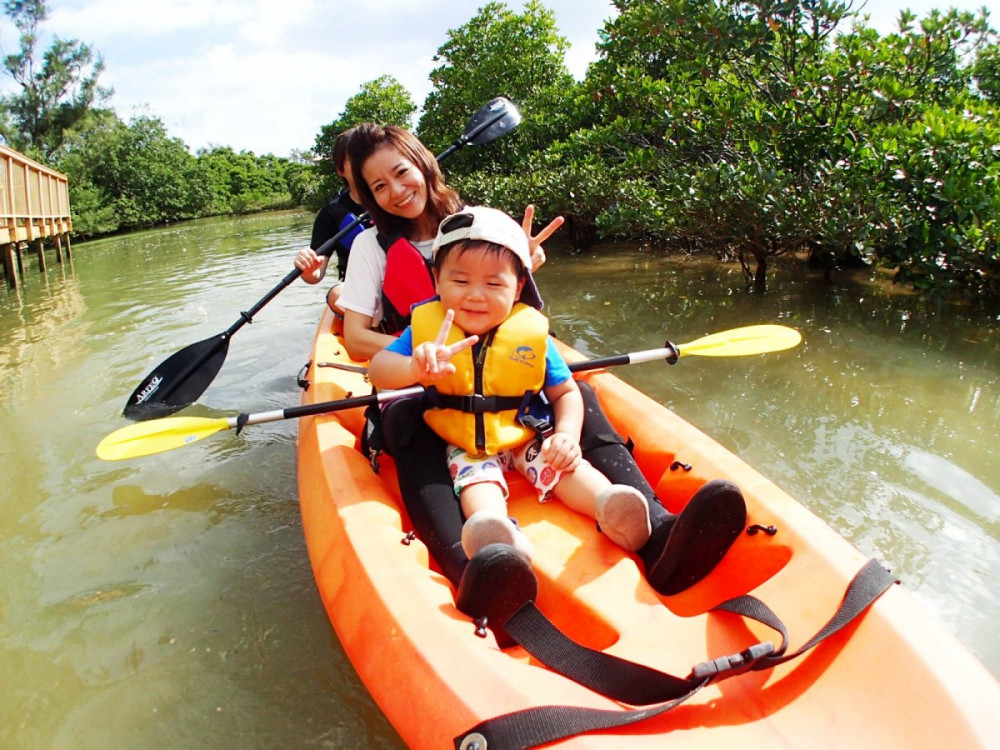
(348, 239)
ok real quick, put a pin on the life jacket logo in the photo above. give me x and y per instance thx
(523, 355)
(149, 390)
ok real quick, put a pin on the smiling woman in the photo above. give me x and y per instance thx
(403, 189)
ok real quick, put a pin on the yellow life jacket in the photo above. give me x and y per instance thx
(476, 407)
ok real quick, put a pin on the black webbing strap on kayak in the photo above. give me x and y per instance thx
(639, 685)
(867, 585)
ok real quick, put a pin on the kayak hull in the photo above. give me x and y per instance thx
(894, 678)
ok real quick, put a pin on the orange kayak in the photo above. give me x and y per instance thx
(893, 678)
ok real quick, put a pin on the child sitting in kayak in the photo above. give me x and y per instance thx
(483, 351)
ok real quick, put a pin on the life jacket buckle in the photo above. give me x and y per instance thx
(543, 428)
(476, 404)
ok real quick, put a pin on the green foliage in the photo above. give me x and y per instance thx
(305, 184)
(137, 171)
(131, 176)
(500, 53)
(746, 128)
(986, 72)
(242, 182)
(946, 217)
(755, 129)
(56, 93)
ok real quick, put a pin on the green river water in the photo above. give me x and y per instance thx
(168, 602)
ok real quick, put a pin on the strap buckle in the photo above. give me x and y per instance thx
(734, 664)
(543, 428)
(474, 404)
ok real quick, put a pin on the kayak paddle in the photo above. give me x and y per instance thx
(160, 435)
(181, 379)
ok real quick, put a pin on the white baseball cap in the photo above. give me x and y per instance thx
(490, 225)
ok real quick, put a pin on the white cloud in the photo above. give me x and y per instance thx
(102, 20)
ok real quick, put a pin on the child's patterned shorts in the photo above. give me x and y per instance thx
(527, 460)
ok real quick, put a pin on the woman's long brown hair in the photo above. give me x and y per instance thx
(441, 199)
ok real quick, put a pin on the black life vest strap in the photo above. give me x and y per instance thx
(640, 685)
(473, 404)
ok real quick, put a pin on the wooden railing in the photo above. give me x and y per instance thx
(34, 206)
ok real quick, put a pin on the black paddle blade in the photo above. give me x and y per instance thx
(179, 380)
(493, 119)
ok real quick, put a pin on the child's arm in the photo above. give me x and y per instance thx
(429, 362)
(561, 450)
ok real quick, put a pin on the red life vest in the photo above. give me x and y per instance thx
(408, 281)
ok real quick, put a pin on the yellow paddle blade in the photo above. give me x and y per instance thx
(157, 436)
(738, 342)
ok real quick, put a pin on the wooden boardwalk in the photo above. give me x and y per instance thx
(34, 208)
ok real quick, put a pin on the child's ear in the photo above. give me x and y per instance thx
(520, 286)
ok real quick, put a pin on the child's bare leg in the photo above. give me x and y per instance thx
(482, 496)
(578, 489)
(621, 511)
(485, 507)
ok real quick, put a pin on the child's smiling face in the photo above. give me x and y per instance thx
(480, 285)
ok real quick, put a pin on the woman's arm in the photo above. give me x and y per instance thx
(361, 340)
(429, 361)
(360, 297)
(391, 370)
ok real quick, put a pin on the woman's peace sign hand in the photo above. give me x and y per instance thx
(535, 242)
(431, 360)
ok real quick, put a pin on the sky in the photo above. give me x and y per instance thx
(265, 76)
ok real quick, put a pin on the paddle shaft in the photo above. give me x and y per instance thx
(323, 407)
(327, 407)
(670, 353)
(632, 358)
(767, 338)
(161, 435)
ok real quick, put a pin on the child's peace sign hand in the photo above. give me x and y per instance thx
(431, 359)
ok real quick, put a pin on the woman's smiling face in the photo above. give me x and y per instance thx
(397, 184)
